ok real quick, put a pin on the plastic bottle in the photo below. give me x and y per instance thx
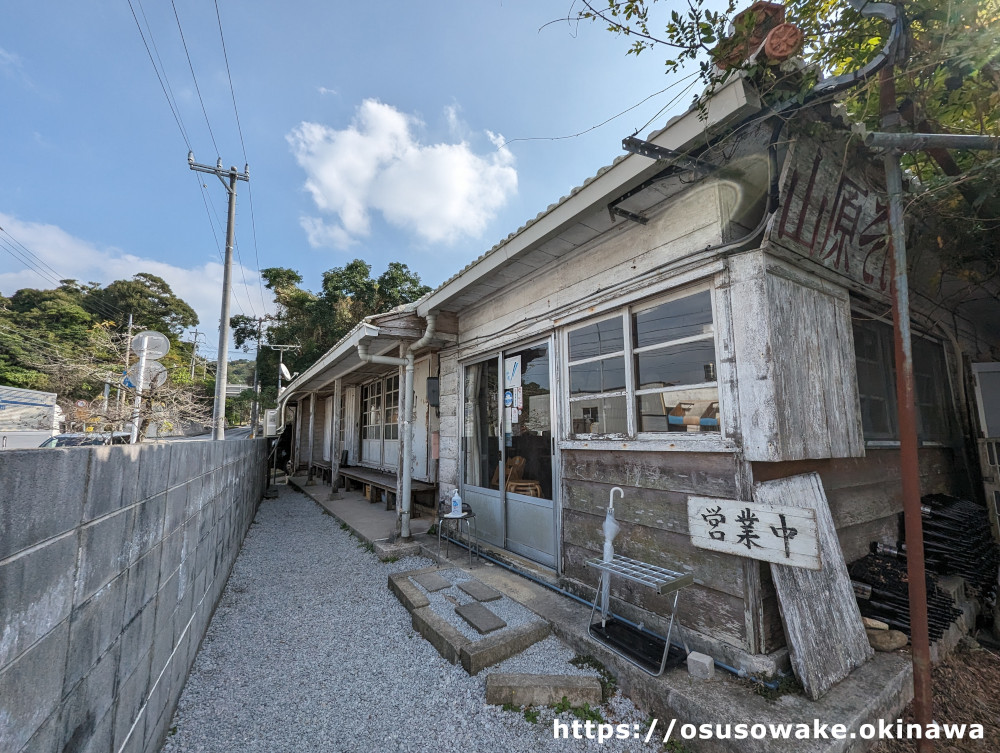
(456, 505)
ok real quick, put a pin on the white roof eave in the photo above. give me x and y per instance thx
(733, 102)
(347, 345)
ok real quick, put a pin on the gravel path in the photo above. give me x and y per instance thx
(310, 651)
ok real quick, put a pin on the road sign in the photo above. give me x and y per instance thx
(154, 375)
(157, 345)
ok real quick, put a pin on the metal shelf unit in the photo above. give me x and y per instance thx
(660, 579)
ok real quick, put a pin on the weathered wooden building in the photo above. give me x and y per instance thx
(677, 327)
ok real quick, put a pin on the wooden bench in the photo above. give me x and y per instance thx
(325, 470)
(371, 480)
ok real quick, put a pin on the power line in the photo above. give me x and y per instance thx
(30, 253)
(613, 117)
(239, 128)
(27, 264)
(39, 266)
(194, 78)
(170, 102)
(256, 255)
(232, 91)
(206, 200)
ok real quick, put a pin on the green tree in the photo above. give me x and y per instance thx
(946, 75)
(147, 298)
(71, 339)
(316, 322)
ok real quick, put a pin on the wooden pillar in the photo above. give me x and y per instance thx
(335, 448)
(312, 432)
(296, 438)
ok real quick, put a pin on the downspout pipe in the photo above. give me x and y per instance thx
(408, 403)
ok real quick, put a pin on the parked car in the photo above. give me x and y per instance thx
(81, 439)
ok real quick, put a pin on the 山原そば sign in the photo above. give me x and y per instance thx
(773, 533)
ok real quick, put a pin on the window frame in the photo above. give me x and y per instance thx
(372, 431)
(941, 377)
(631, 393)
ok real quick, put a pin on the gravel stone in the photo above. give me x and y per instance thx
(308, 650)
(443, 604)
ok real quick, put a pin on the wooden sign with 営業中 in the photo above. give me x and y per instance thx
(772, 533)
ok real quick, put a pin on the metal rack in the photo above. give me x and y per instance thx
(660, 579)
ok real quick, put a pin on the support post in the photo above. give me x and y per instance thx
(312, 439)
(136, 410)
(335, 448)
(407, 402)
(907, 410)
(194, 351)
(222, 363)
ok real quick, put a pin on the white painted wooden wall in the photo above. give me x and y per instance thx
(795, 364)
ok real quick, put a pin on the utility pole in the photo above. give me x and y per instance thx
(136, 410)
(281, 356)
(128, 349)
(255, 405)
(194, 351)
(222, 365)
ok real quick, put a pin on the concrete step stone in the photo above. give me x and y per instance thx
(542, 690)
(432, 581)
(481, 618)
(479, 591)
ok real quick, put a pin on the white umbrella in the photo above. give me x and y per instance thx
(611, 529)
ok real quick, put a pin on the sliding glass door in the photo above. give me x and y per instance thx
(508, 451)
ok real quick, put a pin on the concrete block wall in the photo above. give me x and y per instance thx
(112, 560)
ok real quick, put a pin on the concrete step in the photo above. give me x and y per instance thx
(502, 643)
(481, 618)
(542, 690)
(432, 581)
(479, 591)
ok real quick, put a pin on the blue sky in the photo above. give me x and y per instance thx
(389, 131)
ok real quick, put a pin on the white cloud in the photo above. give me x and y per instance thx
(12, 67)
(439, 192)
(324, 90)
(63, 256)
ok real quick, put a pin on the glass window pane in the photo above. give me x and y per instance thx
(597, 339)
(391, 413)
(482, 448)
(688, 363)
(673, 320)
(929, 377)
(529, 423)
(603, 415)
(606, 375)
(876, 379)
(679, 410)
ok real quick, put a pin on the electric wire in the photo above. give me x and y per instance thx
(6, 246)
(212, 135)
(256, 255)
(218, 246)
(613, 117)
(239, 128)
(170, 102)
(165, 85)
(47, 347)
(30, 253)
(166, 79)
(194, 78)
(35, 263)
(229, 74)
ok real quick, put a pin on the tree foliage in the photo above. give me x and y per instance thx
(71, 340)
(946, 76)
(315, 322)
